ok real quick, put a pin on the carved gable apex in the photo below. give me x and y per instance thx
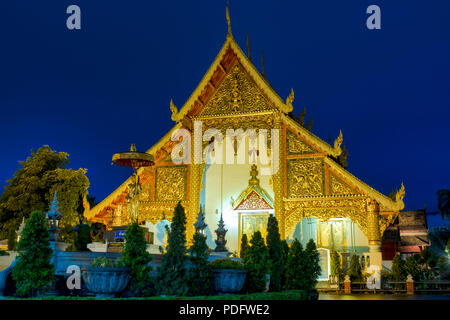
(295, 145)
(339, 187)
(254, 201)
(222, 66)
(237, 94)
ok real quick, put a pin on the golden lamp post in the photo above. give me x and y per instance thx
(134, 160)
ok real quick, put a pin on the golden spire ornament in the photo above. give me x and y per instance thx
(228, 18)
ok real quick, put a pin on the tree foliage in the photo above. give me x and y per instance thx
(257, 264)
(34, 273)
(398, 268)
(275, 254)
(136, 257)
(173, 278)
(33, 186)
(200, 272)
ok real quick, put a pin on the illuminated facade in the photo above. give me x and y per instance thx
(311, 195)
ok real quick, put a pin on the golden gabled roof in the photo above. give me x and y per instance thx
(261, 82)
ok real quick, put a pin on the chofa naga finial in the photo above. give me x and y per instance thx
(176, 116)
(289, 100)
(338, 141)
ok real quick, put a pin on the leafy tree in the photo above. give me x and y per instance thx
(34, 273)
(173, 278)
(295, 266)
(354, 271)
(244, 247)
(136, 257)
(257, 264)
(12, 240)
(275, 254)
(398, 268)
(444, 202)
(411, 266)
(200, 272)
(33, 186)
(336, 265)
(312, 265)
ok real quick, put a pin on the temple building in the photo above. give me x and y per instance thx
(310, 193)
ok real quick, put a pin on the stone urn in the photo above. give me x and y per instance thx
(106, 281)
(228, 280)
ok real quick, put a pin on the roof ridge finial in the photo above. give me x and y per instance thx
(228, 18)
(262, 64)
(249, 54)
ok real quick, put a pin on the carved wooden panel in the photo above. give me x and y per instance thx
(171, 183)
(305, 177)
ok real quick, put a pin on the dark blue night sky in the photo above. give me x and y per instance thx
(95, 91)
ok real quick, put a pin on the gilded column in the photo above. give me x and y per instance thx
(194, 199)
(194, 181)
(279, 177)
(373, 232)
(373, 227)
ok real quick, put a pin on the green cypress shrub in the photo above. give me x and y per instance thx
(275, 254)
(336, 265)
(34, 272)
(200, 272)
(257, 264)
(82, 237)
(172, 277)
(12, 240)
(354, 270)
(136, 257)
(244, 247)
(312, 265)
(285, 252)
(295, 266)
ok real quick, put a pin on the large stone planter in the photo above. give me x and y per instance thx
(4, 275)
(228, 280)
(105, 281)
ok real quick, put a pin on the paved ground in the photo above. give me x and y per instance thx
(380, 296)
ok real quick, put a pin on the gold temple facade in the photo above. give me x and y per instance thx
(309, 183)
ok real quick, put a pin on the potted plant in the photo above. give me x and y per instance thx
(105, 277)
(228, 275)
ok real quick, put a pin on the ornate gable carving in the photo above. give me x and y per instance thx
(236, 94)
(297, 146)
(253, 201)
